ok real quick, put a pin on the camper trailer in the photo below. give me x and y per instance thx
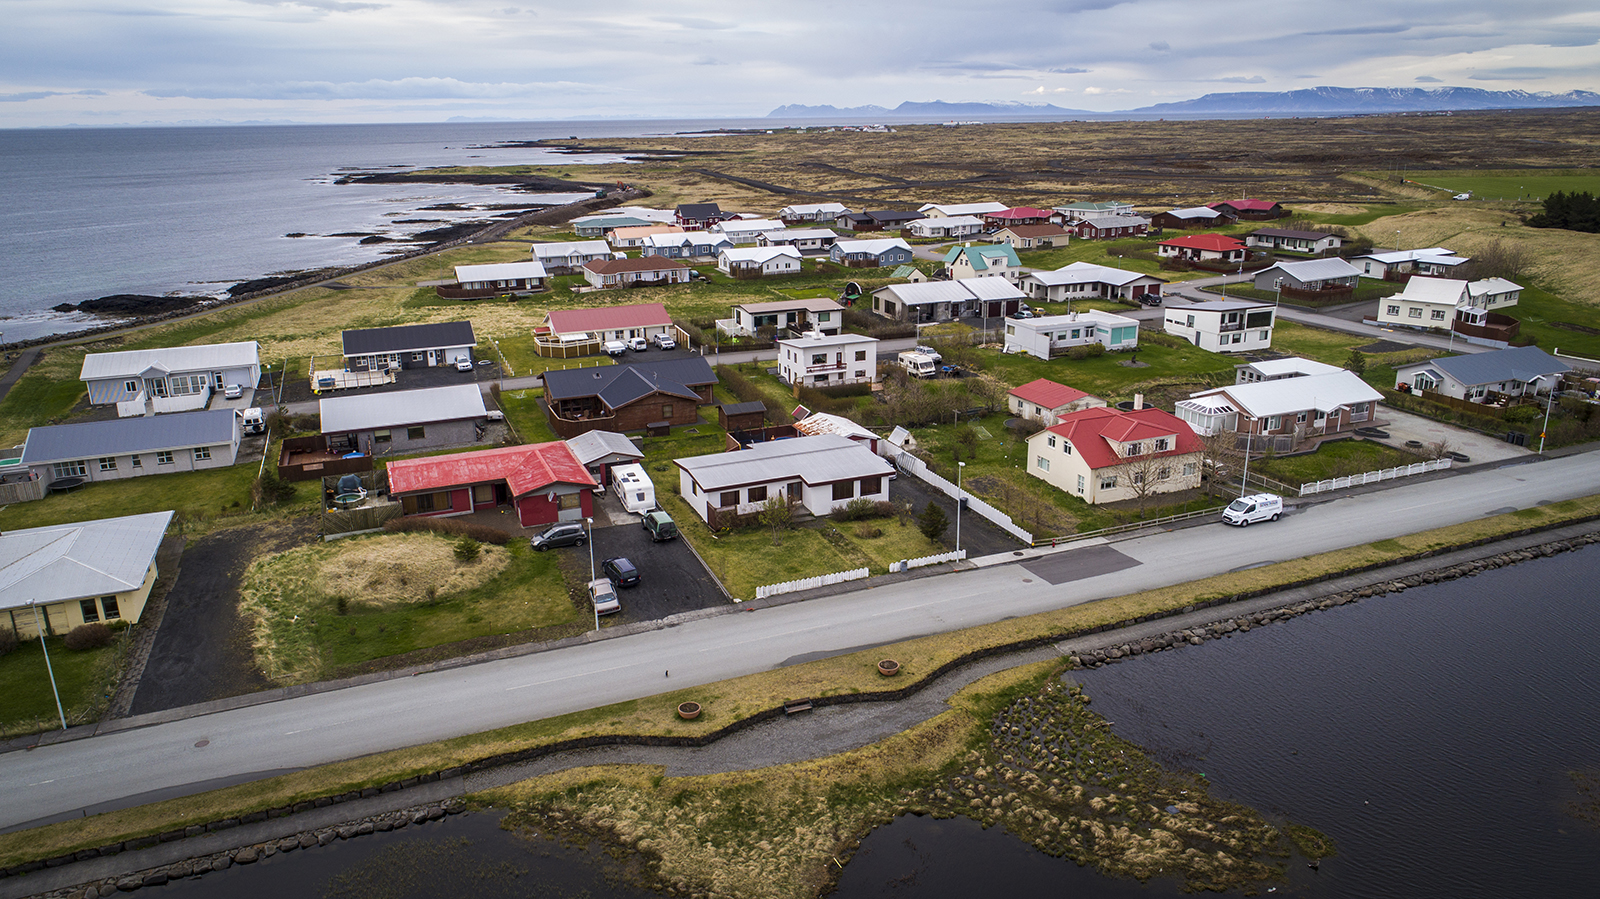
(633, 487)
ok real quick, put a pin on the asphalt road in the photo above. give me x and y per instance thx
(309, 730)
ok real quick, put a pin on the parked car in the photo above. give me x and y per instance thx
(660, 525)
(604, 596)
(615, 348)
(665, 342)
(638, 344)
(566, 533)
(463, 365)
(621, 571)
(1260, 507)
(1021, 314)
(232, 392)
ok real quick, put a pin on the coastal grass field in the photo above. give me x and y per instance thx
(727, 701)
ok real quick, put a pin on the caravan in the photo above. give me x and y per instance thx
(633, 487)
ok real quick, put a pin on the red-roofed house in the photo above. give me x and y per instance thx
(1046, 401)
(1251, 210)
(1203, 248)
(605, 273)
(1016, 215)
(1104, 455)
(541, 482)
(607, 322)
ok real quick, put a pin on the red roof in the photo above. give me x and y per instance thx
(523, 468)
(609, 318)
(1020, 212)
(1092, 431)
(1048, 394)
(1247, 205)
(1220, 243)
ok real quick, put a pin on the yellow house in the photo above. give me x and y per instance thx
(1103, 455)
(57, 578)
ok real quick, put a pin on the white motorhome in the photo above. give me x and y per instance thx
(919, 365)
(254, 421)
(634, 488)
(1260, 507)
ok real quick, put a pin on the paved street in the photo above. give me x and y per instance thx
(710, 646)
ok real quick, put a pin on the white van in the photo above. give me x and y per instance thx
(1260, 507)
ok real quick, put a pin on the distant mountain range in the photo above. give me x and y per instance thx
(1311, 101)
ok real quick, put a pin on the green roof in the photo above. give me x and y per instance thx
(978, 256)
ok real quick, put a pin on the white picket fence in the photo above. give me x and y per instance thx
(955, 555)
(811, 583)
(1373, 477)
(909, 463)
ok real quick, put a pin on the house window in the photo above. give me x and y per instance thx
(108, 463)
(861, 355)
(1188, 469)
(1080, 483)
(381, 437)
(1138, 477)
(861, 373)
(1415, 312)
(1274, 423)
(1042, 463)
(756, 494)
(416, 433)
(1135, 449)
(1438, 315)
(824, 316)
(1163, 444)
(164, 457)
(1321, 415)
(844, 490)
(90, 609)
(70, 469)
(202, 453)
(129, 387)
(1266, 335)
(1300, 418)
(137, 462)
(1163, 473)
(1108, 483)
(1051, 440)
(729, 498)
(417, 357)
(1066, 447)
(869, 486)
(819, 358)
(666, 411)
(108, 606)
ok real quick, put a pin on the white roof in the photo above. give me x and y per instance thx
(875, 247)
(208, 357)
(78, 560)
(1324, 392)
(802, 234)
(1444, 291)
(665, 216)
(762, 255)
(953, 291)
(1094, 316)
(819, 423)
(1294, 365)
(1195, 212)
(1088, 272)
(502, 271)
(1316, 269)
(342, 414)
(592, 445)
(814, 460)
(948, 221)
(566, 248)
(1114, 221)
(682, 238)
(1492, 285)
(1394, 256)
(748, 225)
(949, 209)
(813, 209)
(819, 339)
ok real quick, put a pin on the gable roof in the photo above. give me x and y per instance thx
(949, 221)
(1323, 393)
(813, 209)
(1113, 221)
(1518, 363)
(1217, 242)
(501, 271)
(633, 264)
(78, 560)
(953, 209)
(619, 385)
(1289, 232)
(406, 338)
(698, 210)
(1247, 205)
(820, 423)
(748, 225)
(876, 247)
(565, 248)
(1047, 393)
(687, 239)
(1089, 272)
(1391, 257)
(1041, 230)
(815, 460)
(639, 232)
(919, 293)
(792, 234)
(1195, 212)
(1316, 269)
(1423, 289)
(120, 436)
(342, 414)
(607, 318)
(524, 469)
(207, 357)
(1092, 433)
(979, 256)
(592, 445)
(1019, 212)
(809, 304)
(893, 215)
(762, 255)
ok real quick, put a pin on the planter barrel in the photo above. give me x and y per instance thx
(689, 711)
(888, 667)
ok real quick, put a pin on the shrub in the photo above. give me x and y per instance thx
(449, 527)
(1086, 351)
(932, 522)
(269, 489)
(8, 641)
(88, 636)
(467, 550)
(861, 507)
(868, 532)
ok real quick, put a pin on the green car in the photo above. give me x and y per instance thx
(660, 526)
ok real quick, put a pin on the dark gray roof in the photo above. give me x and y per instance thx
(618, 385)
(698, 210)
(894, 215)
(146, 434)
(404, 338)
(744, 408)
(1520, 363)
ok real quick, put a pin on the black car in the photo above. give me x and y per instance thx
(567, 533)
(621, 572)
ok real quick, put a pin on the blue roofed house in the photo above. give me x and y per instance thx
(1494, 377)
(870, 253)
(55, 578)
(983, 261)
(130, 447)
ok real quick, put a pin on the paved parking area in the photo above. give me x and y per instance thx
(1403, 426)
(671, 579)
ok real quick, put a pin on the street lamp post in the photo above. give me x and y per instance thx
(1244, 479)
(590, 541)
(960, 497)
(1550, 399)
(44, 648)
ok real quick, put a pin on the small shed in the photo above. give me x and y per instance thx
(742, 416)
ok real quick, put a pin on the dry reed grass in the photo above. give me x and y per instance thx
(398, 569)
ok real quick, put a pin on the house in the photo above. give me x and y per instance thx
(1016, 215)
(475, 282)
(1278, 369)
(1203, 248)
(635, 236)
(870, 253)
(699, 216)
(946, 226)
(876, 220)
(628, 397)
(809, 241)
(1484, 377)
(811, 212)
(597, 226)
(1032, 237)
(940, 301)
(788, 317)
(404, 421)
(983, 261)
(169, 379)
(56, 578)
(1077, 212)
(700, 246)
(1424, 303)
(1078, 280)
(1315, 243)
(1282, 413)
(909, 273)
(1221, 326)
(542, 483)
(1310, 278)
(744, 232)
(1048, 336)
(597, 451)
(819, 474)
(634, 272)
(828, 360)
(1251, 210)
(1045, 401)
(1395, 265)
(958, 210)
(604, 323)
(759, 262)
(566, 257)
(1109, 227)
(1104, 455)
(408, 346)
(130, 447)
(1192, 217)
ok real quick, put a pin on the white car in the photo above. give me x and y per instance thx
(638, 344)
(604, 596)
(232, 392)
(463, 365)
(665, 342)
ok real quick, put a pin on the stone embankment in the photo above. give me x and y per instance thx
(1194, 636)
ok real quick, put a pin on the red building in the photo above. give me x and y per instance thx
(1251, 210)
(543, 483)
(1203, 248)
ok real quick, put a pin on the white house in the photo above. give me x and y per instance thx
(1285, 410)
(956, 210)
(1513, 372)
(939, 301)
(1051, 335)
(169, 379)
(813, 313)
(1074, 212)
(566, 256)
(743, 232)
(611, 273)
(686, 244)
(768, 261)
(1278, 369)
(634, 236)
(1221, 326)
(819, 474)
(1045, 401)
(1392, 264)
(131, 447)
(1079, 280)
(946, 226)
(1288, 240)
(1104, 455)
(828, 360)
(807, 240)
(983, 261)
(1424, 303)
(811, 212)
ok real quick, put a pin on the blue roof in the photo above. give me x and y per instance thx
(120, 436)
(1519, 363)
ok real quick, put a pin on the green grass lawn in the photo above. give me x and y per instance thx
(1539, 311)
(1106, 376)
(196, 496)
(1508, 186)
(1333, 460)
(525, 415)
(85, 679)
(1354, 220)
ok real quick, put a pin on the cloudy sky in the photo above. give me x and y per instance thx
(167, 61)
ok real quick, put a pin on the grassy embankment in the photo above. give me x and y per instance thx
(84, 677)
(728, 701)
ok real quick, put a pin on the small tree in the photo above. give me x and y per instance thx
(1356, 362)
(467, 550)
(933, 522)
(775, 514)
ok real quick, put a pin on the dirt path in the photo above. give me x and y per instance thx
(13, 374)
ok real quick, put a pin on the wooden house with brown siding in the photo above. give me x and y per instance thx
(628, 397)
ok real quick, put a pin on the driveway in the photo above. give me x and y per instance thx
(978, 536)
(671, 579)
(1403, 426)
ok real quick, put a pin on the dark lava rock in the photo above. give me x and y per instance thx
(130, 304)
(375, 239)
(450, 232)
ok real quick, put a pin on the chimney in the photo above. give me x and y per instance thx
(1138, 401)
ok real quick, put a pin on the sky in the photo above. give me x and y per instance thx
(104, 62)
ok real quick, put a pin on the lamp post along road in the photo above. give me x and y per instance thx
(960, 501)
(590, 540)
(47, 667)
